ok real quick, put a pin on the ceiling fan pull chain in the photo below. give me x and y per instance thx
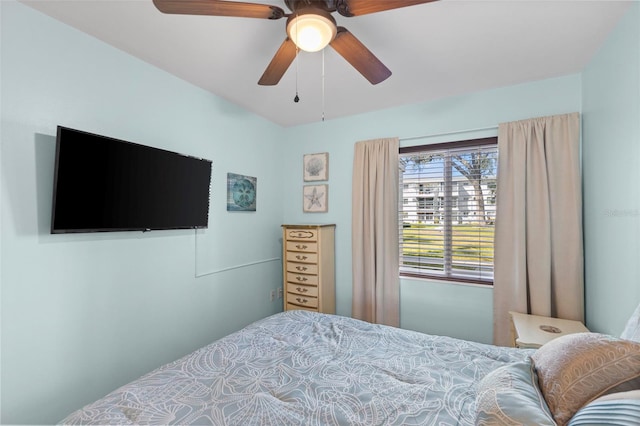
(296, 99)
(323, 84)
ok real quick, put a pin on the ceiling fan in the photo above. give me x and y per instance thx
(310, 27)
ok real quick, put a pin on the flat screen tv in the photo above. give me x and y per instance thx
(105, 184)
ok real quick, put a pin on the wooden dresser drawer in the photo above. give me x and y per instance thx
(303, 246)
(305, 290)
(292, 307)
(302, 268)
(302, 279)
(300, 300)
(293, 256)
(301, 234)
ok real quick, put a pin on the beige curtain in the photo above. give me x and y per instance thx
(375, 232)
(538, 263)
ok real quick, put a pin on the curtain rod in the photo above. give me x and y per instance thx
(455, 132)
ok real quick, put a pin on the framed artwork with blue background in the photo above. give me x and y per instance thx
(242, 192)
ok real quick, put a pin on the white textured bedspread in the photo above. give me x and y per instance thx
(304, 368)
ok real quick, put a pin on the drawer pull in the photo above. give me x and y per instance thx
(302, 289)
(301, 300)
(301, 246)
(299, 278)
(301, 234)
(301, 268)
(301, 257)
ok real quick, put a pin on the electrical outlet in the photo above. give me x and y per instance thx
(279, 292)
(272, 295)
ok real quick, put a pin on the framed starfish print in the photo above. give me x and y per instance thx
(315, 198)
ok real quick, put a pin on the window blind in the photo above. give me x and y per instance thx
(447, 212)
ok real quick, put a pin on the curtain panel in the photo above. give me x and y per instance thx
(538, 233)
(375, 253)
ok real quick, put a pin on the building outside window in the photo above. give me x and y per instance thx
(448, 217)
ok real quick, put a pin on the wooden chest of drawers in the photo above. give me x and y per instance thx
(308, 263)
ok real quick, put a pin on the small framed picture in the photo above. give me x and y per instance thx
(315, 198)
(316, 166)
(241, 193)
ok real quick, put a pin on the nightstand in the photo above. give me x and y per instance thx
(533, 331)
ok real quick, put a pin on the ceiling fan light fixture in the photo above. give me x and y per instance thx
(311, 32)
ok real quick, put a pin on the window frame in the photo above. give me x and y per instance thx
(469, 143)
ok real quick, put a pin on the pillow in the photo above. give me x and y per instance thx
(509, 395)
(577, 368)
(619, 409)
(634, 394)
(632, 329)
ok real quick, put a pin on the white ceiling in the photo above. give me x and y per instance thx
(435, 50)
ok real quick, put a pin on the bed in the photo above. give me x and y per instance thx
(306, 368)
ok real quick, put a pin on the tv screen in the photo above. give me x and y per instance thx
(106, 184)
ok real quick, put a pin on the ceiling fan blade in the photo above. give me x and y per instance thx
(356, 53)
(219, 8)
(279, 64)
(363, 7)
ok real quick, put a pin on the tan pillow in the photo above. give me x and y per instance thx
(578, 368)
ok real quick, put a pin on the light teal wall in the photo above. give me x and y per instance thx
(428, 306)
(83, 314)
(611, 153)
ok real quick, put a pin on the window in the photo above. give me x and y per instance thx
(447, 225)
